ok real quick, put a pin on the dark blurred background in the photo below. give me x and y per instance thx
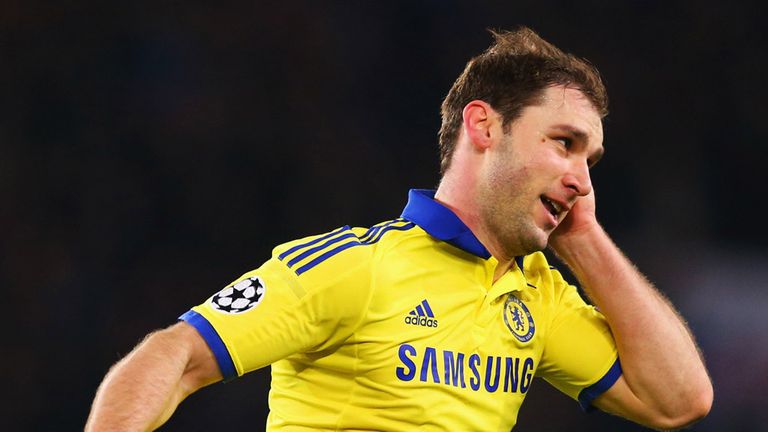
(151, 152)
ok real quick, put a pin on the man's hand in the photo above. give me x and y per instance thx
(581, 218)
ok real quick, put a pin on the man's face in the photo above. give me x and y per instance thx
(532, 175)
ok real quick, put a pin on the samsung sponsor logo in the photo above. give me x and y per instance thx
(489, 373)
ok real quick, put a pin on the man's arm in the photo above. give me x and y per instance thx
(664, 383)
(143, 389)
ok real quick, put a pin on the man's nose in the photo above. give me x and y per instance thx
(579, 179)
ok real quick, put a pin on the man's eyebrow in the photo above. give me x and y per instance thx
(582, 136)
(573, 131)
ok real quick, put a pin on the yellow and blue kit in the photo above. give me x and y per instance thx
(400, 326)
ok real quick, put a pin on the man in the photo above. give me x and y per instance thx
(439, 319)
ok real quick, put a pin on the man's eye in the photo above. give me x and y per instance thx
(566, 142)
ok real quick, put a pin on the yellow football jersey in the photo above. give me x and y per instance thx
(401, 327)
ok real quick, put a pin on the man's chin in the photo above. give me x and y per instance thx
(524, 241)
(535, 243)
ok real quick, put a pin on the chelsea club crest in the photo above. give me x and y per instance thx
(518, 319)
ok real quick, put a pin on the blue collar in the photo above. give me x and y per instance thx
(441, 222)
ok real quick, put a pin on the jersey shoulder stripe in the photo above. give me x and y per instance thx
(325, 256)
(376, 232)
(314, 240)
(309, 253)
(341, 237)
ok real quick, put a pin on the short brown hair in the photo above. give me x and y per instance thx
(512, 74)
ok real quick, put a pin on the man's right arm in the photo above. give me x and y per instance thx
(142, 390)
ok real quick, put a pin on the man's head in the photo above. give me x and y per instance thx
(521, 184)
(511, 74)
(521, 128)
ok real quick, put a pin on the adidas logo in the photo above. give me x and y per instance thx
(421, 315)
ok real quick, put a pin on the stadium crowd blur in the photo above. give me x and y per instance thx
(151, 152)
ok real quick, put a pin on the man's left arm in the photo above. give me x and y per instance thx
(664, 384)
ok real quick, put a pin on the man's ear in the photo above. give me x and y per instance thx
(479, 119)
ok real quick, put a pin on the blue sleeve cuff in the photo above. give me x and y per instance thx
(206, 330)
(590, 393)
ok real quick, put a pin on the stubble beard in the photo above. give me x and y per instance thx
(506, 204)
(511, 224)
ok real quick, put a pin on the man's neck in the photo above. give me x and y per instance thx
(463, 205)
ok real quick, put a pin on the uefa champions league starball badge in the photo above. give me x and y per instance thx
(240, 297)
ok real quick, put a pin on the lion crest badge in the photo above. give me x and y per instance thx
(518, 319)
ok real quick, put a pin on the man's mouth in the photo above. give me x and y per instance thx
(554, 208)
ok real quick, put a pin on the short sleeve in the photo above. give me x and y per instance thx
(272, 312)
(580, 357)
